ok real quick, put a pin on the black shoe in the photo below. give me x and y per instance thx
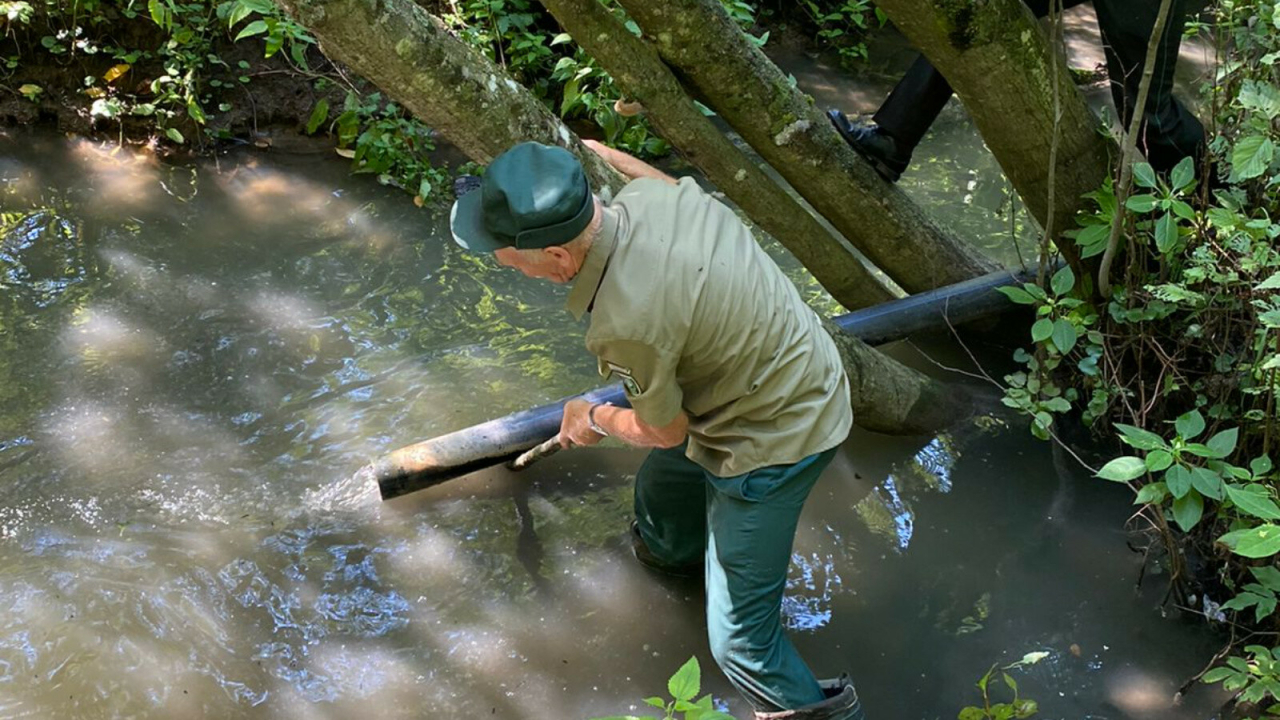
(875, 145)
(649, 560)
(841, 703)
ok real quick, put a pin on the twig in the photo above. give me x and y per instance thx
(1130, 147)
(987, 376)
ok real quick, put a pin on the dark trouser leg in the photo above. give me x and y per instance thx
(1169, 132)
(922, 93)
(670, 505)
(751, 522)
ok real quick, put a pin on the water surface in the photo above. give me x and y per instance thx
(195, 359)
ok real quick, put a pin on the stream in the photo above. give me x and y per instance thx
(195, 358)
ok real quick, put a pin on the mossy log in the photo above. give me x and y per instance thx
(635, 66)
(1019, 91)
(411, 56)
(733, 76)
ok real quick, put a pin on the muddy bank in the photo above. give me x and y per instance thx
(244, 96)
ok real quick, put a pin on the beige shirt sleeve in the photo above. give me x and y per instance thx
(647, 373)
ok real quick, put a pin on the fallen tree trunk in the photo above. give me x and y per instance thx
(887, 397)
(637, 69)
(1019, 92)
(735, 78)
(411, 56)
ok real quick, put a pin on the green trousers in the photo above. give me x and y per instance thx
(742, 527)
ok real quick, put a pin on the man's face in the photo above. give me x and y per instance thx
(554, 263)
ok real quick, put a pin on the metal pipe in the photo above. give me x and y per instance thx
(431, 462)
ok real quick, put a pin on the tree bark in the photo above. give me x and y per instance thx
(411, 56)
(781, 123)
(637, 69)
(996, 57)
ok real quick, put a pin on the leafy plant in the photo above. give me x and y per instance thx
(518, 34)
(1257, 677)
(842, 24)
(1191, 332)
(1019, 707)
(383, 140)
(683, 687)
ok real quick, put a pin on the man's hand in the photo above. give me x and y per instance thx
(574, 427)
(630, 166)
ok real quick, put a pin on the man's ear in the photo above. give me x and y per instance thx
(558, 254)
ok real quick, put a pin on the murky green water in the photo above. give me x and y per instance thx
(196, 357)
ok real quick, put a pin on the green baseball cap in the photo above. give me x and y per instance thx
(532, 196)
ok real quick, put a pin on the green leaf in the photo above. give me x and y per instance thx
(1143, 175)
(1187, 510)
(239, 11)
(1258, 542)
(1152, 494)
(684, 684)
(564, 38)
(1064, 335)
(1178, 478)
(1063, 281)
(1123, 469)
(1166, 233)
(1141, 439)
(159, 13)
(1261, 465)
(656, 702)
(1183, 210)
(1041, 330)
(1184, 173)
(174, 135)
(1189, 425)
(1093, 236)
(1271, 283)
(257, 27)
(1141, 203)
(1268, 576)
(1224, 443)
(1217, 674)
(1198, 449)
(319, 114)
(1207, 482)
(972, 713)
(1251, 156)
(1243, 601)
(1254, 500)
(1018, 295)
(1158, 460)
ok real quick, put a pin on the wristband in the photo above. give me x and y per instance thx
(591, 420)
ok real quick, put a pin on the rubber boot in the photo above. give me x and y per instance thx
(841, 704)
(649, 560)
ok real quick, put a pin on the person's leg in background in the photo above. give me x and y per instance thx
(906, 115)
(751, 524)
(1169, 131)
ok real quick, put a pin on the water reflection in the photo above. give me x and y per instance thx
(886, 512)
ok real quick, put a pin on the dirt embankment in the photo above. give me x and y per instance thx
(245, 97)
